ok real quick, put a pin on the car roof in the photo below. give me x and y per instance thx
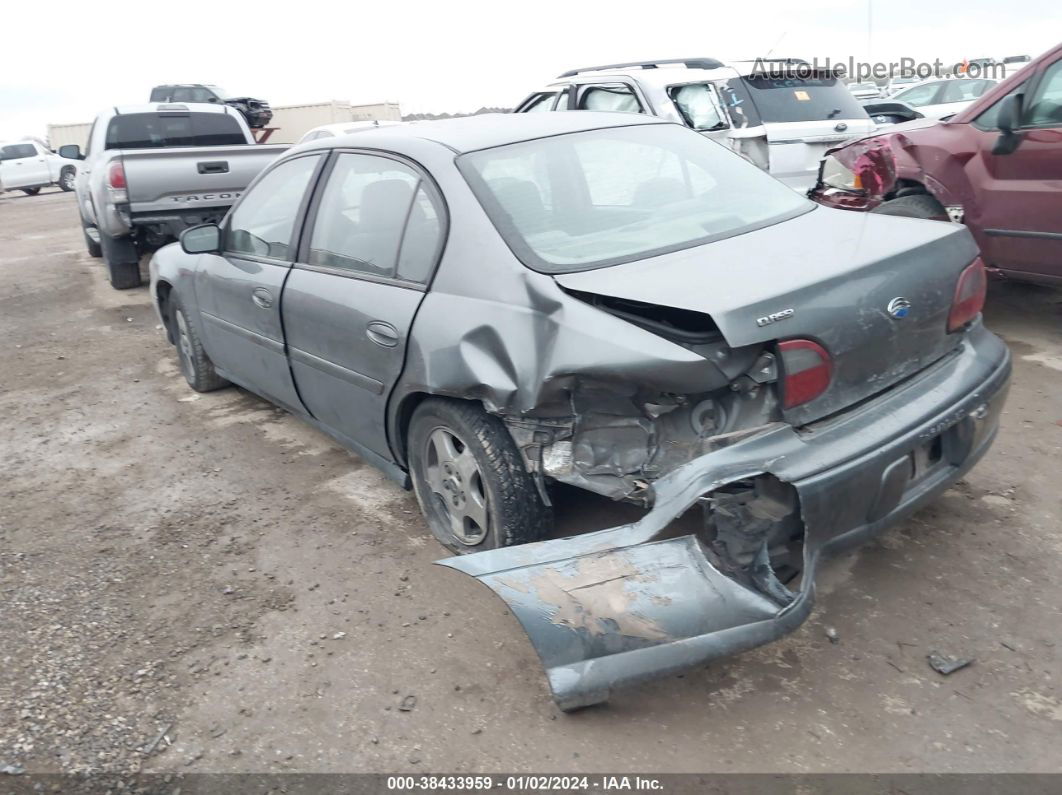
(484, 131)
(155, 107)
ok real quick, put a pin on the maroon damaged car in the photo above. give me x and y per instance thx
(996, 166)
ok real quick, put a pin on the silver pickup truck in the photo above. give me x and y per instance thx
(150, 171)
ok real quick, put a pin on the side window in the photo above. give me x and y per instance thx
(181, 94)
(963, 90)
(17, 151)
(698, 107)
(989, 118)
(263, 223)
(362, 214)
(615, 97)
(562, 100)
(1045, 108)
(202, 95)
(540, 103)
(420, 243)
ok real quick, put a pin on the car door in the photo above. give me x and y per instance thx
(374, 233)
(24, 166)
(238, 290)
(1020, 195)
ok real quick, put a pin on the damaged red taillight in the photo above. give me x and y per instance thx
(807, 369)
(969, 295)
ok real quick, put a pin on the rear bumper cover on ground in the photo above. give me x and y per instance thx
(618, 606)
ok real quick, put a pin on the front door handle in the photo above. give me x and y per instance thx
(262, 297)
(382, 333)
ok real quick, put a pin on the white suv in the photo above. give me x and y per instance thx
(779, 113)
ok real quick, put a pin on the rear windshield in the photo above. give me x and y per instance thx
(160, 130)
(781, 99)
(601, 197)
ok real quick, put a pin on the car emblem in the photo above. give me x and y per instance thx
(774, 317)
(899, 307)
(840, 126)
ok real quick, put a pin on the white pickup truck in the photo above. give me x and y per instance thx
(29, 166)
(151, 171)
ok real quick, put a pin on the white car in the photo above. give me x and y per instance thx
(942, 97)
(344, 128)
(864, 90)
(29, 166)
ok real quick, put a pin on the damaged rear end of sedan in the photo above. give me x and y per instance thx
(786, 380)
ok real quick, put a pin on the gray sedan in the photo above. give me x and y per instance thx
(485, 307)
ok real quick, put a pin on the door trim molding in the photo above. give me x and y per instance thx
(335, 370)
(1023, 233)
(247, 334)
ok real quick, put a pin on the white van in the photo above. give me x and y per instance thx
(779, 113)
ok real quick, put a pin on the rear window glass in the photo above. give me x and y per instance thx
(602, 197)
(161, 130)
(781, 99)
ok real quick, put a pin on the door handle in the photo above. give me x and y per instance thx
(262, 297)
(382, 333)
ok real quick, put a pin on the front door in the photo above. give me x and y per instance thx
(239, 290)
(350, 300)
(1020, 194)
(22, 166)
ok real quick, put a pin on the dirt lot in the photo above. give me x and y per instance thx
(202, 583)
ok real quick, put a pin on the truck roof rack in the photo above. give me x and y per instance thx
(689, 63)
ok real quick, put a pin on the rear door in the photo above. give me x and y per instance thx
(372, 240)
(24, 166)
(1020, 195)
(239, 290)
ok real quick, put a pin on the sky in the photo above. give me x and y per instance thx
(73, 58)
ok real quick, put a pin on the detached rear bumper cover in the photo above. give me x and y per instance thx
(619, 606)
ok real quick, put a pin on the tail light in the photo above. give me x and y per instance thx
(969, 295)
(807, 369)
(116, 175)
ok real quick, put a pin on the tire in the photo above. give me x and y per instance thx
(66, 178)
(918, 205)
(31, 191)
(94, 248)
(196, 366)
(467, 471)
(123, 261)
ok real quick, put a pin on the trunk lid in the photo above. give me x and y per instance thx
(829, 276)
(796, 148)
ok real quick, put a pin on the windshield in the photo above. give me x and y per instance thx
(162, 130)
(782, 99)
(602, 197)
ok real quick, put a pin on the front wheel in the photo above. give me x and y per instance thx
(66, 178)
(470, 479)
(196, 366)
(918, 205)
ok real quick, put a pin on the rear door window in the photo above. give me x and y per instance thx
(541, 102)
(611, 96)
(164, 130)
(17, 151)
(698, 105)
(782, 99)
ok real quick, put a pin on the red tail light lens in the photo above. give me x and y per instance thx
(807, 368)
(969, 295)
(116, 176)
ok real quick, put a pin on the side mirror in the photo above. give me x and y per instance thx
(71, 152)
(1009, 122)
(202, 239)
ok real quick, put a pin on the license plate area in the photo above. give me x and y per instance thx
(927, 458)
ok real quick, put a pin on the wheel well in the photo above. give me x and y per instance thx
(403, 414)
(908, 187)
(162, 296)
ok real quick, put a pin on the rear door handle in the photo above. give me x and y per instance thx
(262, 297)
(382, 333)
(213, 167)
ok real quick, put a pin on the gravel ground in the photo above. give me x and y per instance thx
(201, 583)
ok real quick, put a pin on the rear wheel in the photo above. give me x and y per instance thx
(66, 178)
(196, 366)
(123, 261)
(31, 191)
(470, 479)
(918, 205)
